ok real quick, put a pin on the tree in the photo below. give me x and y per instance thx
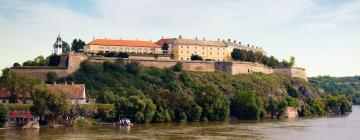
(239, 55)
(19, 85)
(276, 107)
(51, 105)
(247, 105)
(65, 48)
(133, 67)
(292, 61)
(77, 45)
(3, 113)
(215, 104)
(178, 67)
(40, 61)
(16, 65)
(51, 77)
(123, 55)
(196, 57)
(54, 60)
(165, 48)
(137, 108)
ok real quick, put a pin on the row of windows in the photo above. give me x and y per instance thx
(201, 47)
(187, 58)
(204, 53)
(126, 49)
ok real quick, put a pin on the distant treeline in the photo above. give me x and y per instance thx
(335, 85)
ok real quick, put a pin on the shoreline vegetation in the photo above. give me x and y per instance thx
(143, 94)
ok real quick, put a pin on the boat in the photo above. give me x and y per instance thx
(125, 122)
(23, 121)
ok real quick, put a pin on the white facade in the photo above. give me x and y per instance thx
(58, 46)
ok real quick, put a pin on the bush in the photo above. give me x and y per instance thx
(54, 60)
(247, 106)
(51, 77)
(3, 113)
(123, 55)
(196, 57)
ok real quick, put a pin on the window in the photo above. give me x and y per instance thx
(187, 52)
(218, 48)
(187, 58)
(182, 58)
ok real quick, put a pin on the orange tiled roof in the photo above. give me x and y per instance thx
(75, 91)
(130, 43)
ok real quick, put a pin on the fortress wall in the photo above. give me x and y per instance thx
(299, 72)
(223, 67)
(292, 72)
(198, 66)
(240, 68)
(261, 68)
(157, 64)
(74, 62)
(42, 73)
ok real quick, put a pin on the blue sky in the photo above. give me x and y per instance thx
(322, 35)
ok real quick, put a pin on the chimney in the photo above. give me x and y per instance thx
(195, 38)
(229, 40)
(248, 45)
(239, 42)
(234, 41)
(180, 36)
(218, 39)
(204, 38)
(93, 38)
(162, 37)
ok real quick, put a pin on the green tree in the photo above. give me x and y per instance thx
(215, 104)
(77, 45)
(54, 60)
(65, 48)
(18, 84)
(196, 57)
(133, 67)
(3, 113)
(123, 55)
(40, 61)
(49, 104)
(276, 107)
(137, 108)
(239, 55)
(247, 105)
(15, 65)
(51, 77)
(165, 48)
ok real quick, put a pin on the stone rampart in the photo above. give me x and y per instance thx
(230, 67)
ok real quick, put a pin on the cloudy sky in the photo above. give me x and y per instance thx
(323, 36)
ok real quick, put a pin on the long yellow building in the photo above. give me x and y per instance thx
(182, 49)
(128, 46)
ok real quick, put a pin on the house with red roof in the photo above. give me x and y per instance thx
(127, 46)
(76, 93)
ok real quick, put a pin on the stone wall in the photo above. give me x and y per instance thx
(201, 66)
(160, 58)
(292, 72)
(233, 68)
(42, 73)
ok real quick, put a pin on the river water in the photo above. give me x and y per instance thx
(325, 128)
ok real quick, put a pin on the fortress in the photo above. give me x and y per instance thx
(178, 50)
(230, 67)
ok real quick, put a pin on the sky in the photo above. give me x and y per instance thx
(323, 35)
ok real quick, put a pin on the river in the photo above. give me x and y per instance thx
(345, 127)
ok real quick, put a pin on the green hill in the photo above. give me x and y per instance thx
(152, 94)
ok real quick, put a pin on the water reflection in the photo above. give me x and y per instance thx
(326, 128)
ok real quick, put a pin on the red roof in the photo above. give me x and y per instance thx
(76, 91)
(161, 42)
(27, 115)
(13, 115)
(129, 43)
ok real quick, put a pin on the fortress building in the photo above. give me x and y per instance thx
(183, 49)
(234, 45)
(128, 46)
